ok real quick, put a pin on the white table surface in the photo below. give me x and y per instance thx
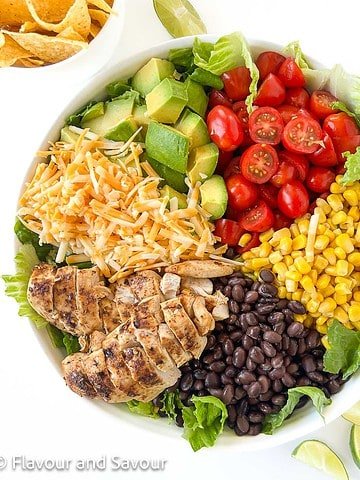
(39, 417)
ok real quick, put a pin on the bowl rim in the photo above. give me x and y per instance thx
(294, 427)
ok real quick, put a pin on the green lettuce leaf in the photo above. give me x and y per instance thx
(75, 118)
(207, 79)
(171, 404)
(274, 420)
(26, 236)
(342, 107)
(352, 166)
(182, 57)
(71, 343)
(344, 352)
(16, 285)
(147, 409)
(345, 87)
(204, 421)
(56, 336)
(118, 87)
(293, 49)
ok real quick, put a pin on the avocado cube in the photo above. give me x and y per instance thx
(123, 130)
(168, 146)
(166, 101)
(141, 117)
(194, 127)
(214, 196)
(94, 111)
(169, 192)
(67, 136)
(202, 162)
(197, 98)
(174, 179)
(151, 75)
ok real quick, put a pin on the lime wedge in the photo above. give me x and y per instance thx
(355, 444)
(320, 456)
(353, 415)
(179, 17)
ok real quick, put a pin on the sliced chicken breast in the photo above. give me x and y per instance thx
(145, 284)
(173, 346)
(201, 269)
(203, 319)
(87, 302)
(40, 290)
(65, 307)
(109, 314)
(75, 376)
(151, 344)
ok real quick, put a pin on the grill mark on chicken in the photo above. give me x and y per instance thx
(64, 291)
(75, 376)
(173, 346)
(87, 300)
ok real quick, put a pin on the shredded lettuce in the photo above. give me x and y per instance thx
(207, 79)
(146, 409)
(71, 343)
(182, 57)
(171, 404)
(16, 285)
(344, 352)
(293, 49)
(204, 421)
(26, 236)
(345, 87)
(352, 166)
(274, 420)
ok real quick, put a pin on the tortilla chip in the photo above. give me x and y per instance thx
(28, 27)
(10, 51)
(29, 62)
(48, 49)
(16, 12)
(70, 34)
(101, 4)
(94, 29)
(99, 16)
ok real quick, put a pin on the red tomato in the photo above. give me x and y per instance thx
(232, 168)
(319, 179)
(266, 125)
(340, 125)
(298, 97)
(268, 193)
(345, 144)
(302, 135)
(223, 161)
(320, 103)
(240, 109)
(258, 219)
(225, 128)
(268, 62)
(236, 83)
(290, 73)
(254, 242)
(287, 112)
(242, 193)
(271, 92)
(228, 230)
(218, 97)
(297, 160)
(281, 221)
(324, 156)
(293, 199)
(259, 163)
(285, 173)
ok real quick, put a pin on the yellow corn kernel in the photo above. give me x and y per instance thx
(349, 325)
(338, 179)
(322, 329)
(275, 257)
(307, 284)
(305, 297)
(297, 295)
(325, 342)
(280, 269)
(331, 270)
(351, 197)
(342, 287)
(336, 188)
(330, 234)
(321, 229)
(322, 203)
(356, 296)
(282, 292)
(340, 253)
(294, 229)
(340, 299)
(341, 315)
(356, 325)
(278, 235)
(288, 260)
(322, 216)
(354, 312)
(342, 268)
(247, 255)
(320, 263)
(297, 254)
(357, 234)
(330, 256)
(327, 307)
(339, 217)
(346, 307)
(256, 263)
(308, 322)
(328, 291)
(312, 306)
(323, 281)
(244, 239)
(354, 213)
(334, 200)
(321, 242)
(264, 250)
(317, 296)
(288, 296)
(291, 286)
(291, 275)
(265, 236)
(303, 225)
(344, 241)
(354, 259)
(313, 274)
(300, 318)
(302, 265)
(285, 245)
(299, 242)
(321, 320)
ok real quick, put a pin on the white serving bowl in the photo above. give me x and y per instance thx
(305, 420)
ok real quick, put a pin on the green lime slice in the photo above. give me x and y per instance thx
(353, 415)
(319, 455)
(355, 444)
(179, 17)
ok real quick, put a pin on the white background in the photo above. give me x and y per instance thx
(39, 417)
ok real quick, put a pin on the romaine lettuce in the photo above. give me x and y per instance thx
(352, 166)
(171, 404)
(345, 87)
(147, 409)
(26, 236)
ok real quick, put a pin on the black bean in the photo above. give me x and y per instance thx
(301, 346)
(212, 380)
(254, 390)
(236, 336)
(251, 319)
(264, 383)
(228, 394)
(279, 328)
(186, 382)
(211, 340)
(277, 361)
(313, 339)
(277, 373)
(218, 366)
(225, 380)
(239, 393)
(237, 293)
(277, 386)
(232, 319)
(267, 276)
(267, 290)
(275, 317)
(268, 349)
(245, 307)
(242, 423)
(216, 392)
(228, 360)
(253, 401)
(289, 315)
(333, 386)
(302, 402)
(288, 380)
(256, 354)
(266, 366)
(253, 332)
(272, 337)
(233, 306)
(242, 407)
(250, 364)
(208, 358)
(265, 397)
(264, 327)
(217, 353)
(264, 408)
(308, 363)
(245, 377)
(264, 309)
(287, 361)
(227, 291)
(316, 377)
(222, 338)
(219, 327)
(247, 342)
(255, 286)
(239, 357)
(251, 296)
(231, 413)
(198, 385)
(183, 395)
(295, 329)
(296, 307)
(292, 368)
(228, 347)
(303, 382)
(256, 417)
(231, 371)
(293, 347)
(279, 400)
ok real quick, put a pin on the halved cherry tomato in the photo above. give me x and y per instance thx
(293, 199)
(266, 125)
(228, 230)
(241, 111)
(218, 97)
(287, 112)
(345, 144)
(225, 128)
(302, 135)
(298, 97)
(285, 173)
(281, 221)
(320, 103)
(223, 161)
(290, 73)
(236, 83)
(258, 219)
(242, 193)
(268, 193)
(259, 163)
(232, 168)
(269, 62)
(297, 160)
(254, 242)
(324, 156)
(319, 179)
(340, 125)
(271, 92)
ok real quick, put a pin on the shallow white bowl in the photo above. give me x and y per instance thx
(305, 420)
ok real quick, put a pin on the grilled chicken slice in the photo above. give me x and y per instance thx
(201, 269)
(170, 285)
(173, 346)
(200, 286)
(148, 313)
(145, 284)
(109, 314)
(203, 319)
(65, 308)
(76, 377)
(125, 303)
(154, 350)
(87, 301)
(40, 291)
(187, 300)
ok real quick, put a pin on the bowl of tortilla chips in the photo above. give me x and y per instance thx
(40, 33)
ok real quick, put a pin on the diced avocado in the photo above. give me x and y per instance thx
(194, 127)
(93, 112)
(202, 162)
(68, 136)
(197, 98)
(174, 179)
(141, 117)
(168, 146)
(214, 196)
(151, 75)
(166, 101)
(123, 130)
(167, 191)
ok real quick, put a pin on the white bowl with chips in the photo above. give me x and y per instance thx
(305, 420)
